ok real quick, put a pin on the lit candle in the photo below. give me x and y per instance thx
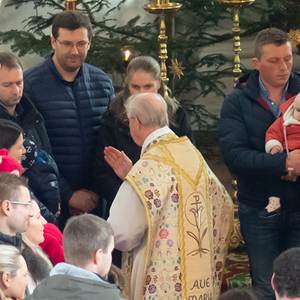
(127, 54)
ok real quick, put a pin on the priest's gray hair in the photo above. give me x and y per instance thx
(149, 108)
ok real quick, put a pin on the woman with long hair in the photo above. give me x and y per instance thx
(143, 76)
(13, 272)
(38, 263)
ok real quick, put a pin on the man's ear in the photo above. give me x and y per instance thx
(5, 280)
(255, 63)
(97, 256)
(5, 207)
(89, 45)
(272, 282)
(53, 41)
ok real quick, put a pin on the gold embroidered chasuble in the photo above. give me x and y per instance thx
(189, 216)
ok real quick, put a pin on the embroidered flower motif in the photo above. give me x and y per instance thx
(155, 278)
(148, 279)
(145, 180)
(215, 232)
(152, 289)
(156, 192)
(173, 179)
(172, 188)
(149, 194)
(145, 164)
(175, 198)
(149, 205)
(178, 287)
(174, 277)
(152, 184)
(157, 244)
(170, 243)
(176, 268)
(155, 141)
(157, 203)
(153, 270)
(163, 233)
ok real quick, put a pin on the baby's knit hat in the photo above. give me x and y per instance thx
(297, 101)
(8, 164)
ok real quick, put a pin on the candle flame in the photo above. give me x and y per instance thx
(127, 54)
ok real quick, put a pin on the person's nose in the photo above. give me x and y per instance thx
(23, 150)
(43, 220)
(74, 49)
(16, 89)
(283, 64)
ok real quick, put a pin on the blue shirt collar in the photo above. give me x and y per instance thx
(265, 95)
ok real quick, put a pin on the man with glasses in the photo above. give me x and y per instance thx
(171, 210)
(15, 208)
(72, 97)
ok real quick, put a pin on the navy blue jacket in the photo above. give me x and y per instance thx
(72, 113)
(245, 118)
(43, 180)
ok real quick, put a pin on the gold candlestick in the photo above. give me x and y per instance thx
(236, 237)
(236, 5)
(71, 5)
(162, 7)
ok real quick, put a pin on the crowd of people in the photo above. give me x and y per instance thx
(73, 155)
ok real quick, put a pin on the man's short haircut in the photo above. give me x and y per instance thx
(83, 236)
(269, 36)
(71, 21)
(238, 294)
(142, 106)
(10, 61)
(9, 186)
(286, 268)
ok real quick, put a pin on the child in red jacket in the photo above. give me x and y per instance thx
(282, 135)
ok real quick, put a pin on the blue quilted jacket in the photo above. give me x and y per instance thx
(245, 118)
(72, 113)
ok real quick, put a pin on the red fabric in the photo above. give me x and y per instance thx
(8, 164)
(53, 243)
(275, 131)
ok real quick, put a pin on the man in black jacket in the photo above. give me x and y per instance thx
(17, 107)
(15, 208)
(246, 115)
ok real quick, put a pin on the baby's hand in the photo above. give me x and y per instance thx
(275, 149)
